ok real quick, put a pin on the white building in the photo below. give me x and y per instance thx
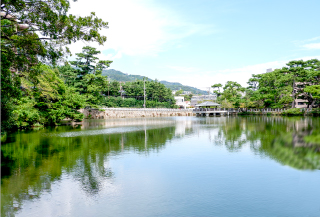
(181, 103)
(196, 99)
(186, 92)
(269, 70)
(300, 103)
(183, 93)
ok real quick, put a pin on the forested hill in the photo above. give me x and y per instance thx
(177, 86)
(120, 76)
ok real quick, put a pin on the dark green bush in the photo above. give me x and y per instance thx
(292, 112)
(315, 112)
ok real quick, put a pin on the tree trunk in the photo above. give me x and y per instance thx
(313, 102)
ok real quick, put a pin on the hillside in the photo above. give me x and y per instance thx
(120, 76)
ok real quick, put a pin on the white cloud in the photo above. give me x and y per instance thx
(204, 79)
(312, 46)
(138, 27)
(312, 39)
(306, 44)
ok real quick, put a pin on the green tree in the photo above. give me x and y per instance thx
(24, 21)
(272, 90)
(188, 97)
(134, 89)
(157, 95)
(282, 87)
(295, 72)
(46, 100)
(312, 79)
(313, 93)
(277, 89)
(36, 31)
(86, 62)
(113, 89)
(95, 85)
(68, 75)
(253, 82)
(178, 92)
(232, 91)
(10, 93)
(217, 89)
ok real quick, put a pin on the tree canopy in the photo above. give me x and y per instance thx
(277, 89)
(35, 30)
(34, 33)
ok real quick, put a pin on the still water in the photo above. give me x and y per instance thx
(177, 166)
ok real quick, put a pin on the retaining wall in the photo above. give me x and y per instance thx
(133, 113)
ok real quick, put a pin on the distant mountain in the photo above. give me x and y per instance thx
(178, 86)
(120, 76)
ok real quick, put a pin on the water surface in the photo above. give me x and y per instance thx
(179, 166)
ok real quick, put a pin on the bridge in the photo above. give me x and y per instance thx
(213, 111)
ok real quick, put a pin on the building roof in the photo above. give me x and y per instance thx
(207, 103)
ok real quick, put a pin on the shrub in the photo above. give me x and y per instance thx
(292, 112)
(25, 115)
(315, 112)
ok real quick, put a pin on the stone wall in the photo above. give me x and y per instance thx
(133, 113)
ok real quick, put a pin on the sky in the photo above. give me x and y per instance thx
(203, 42)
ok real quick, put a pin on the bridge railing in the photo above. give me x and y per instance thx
(248, 110)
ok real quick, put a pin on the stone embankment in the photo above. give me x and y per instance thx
(106, 113)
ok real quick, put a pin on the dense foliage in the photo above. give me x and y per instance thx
(56, 93)
(34, 33)
(157, 95)
(277, 89)
(34, 90)
(46, 100)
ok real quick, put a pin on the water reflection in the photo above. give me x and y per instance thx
(32, 161)
(290, 141)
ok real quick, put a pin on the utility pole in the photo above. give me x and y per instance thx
(144, 93)
(108, 86)
(120, 90)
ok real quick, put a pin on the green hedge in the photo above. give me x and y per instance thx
(292, 112)
(315, 112)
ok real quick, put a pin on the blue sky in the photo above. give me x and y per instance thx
(200, 43)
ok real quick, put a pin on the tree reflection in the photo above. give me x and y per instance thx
(30, 162)
(290, 141)
(231, 135)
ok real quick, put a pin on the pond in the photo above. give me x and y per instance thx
(174, 166)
